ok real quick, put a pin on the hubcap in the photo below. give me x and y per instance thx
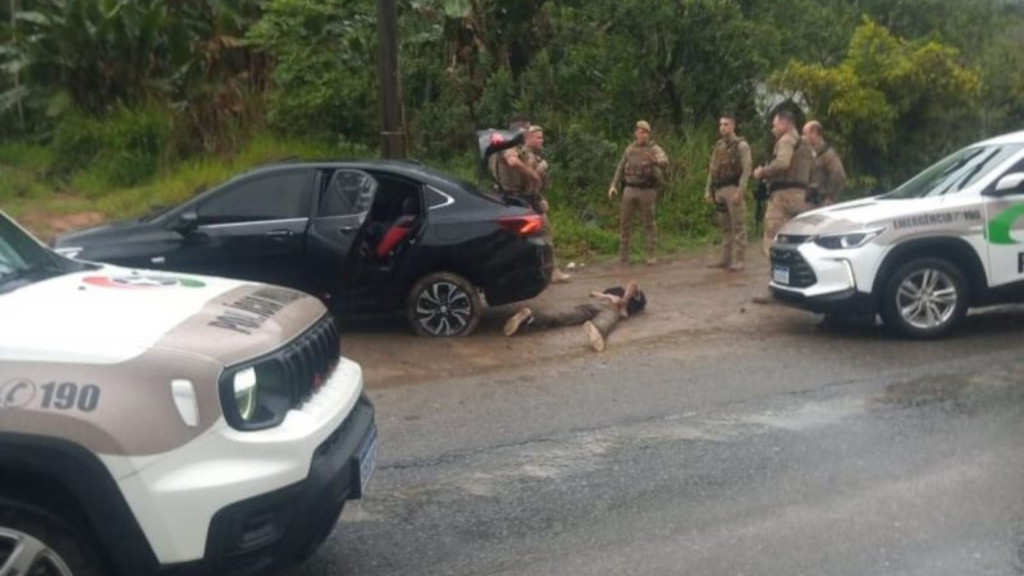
(927, 299)
(24, 555)
(443, 309)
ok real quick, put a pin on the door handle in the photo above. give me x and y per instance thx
(280, 233)
(347, 229)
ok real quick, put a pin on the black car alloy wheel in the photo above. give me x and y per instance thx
(444, 305)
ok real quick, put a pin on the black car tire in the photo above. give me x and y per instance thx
(928, 283)
(444, 305)
(59, 549)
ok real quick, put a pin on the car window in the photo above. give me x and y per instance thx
(436, 199)
(272, 197)
(956, 172)
(350, 192)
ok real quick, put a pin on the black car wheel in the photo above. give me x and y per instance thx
(444, 305)
(925, 298)
(35, 543)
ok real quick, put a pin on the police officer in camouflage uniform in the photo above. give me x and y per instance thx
(828, 178)
(787, 176)
(731, 165)
(533, 157)
(509, 169)
(642, 171)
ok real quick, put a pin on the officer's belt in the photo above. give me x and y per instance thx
(725, 183)
(777, 186)
(646, 185)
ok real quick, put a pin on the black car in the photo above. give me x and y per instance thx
(366, 237)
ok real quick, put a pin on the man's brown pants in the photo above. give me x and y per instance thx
(644, 201)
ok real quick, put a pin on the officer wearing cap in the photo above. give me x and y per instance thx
(642, 173)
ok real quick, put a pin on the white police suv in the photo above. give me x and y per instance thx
(949, 239)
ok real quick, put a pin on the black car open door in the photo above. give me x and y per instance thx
(331, 250)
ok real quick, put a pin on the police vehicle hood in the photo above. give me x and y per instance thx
(872, 213)
(111, 315)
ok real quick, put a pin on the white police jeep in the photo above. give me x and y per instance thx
(155, 423)
(949, 239)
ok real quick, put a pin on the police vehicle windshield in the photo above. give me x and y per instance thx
(23, 260)
(955, 173)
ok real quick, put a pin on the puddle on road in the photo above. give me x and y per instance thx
(959, 393)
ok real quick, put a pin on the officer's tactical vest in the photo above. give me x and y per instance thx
(799, 173)
(509, 180)
(726, 162)
(639, 169)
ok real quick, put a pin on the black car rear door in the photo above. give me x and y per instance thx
(343, 205)
(252, 230)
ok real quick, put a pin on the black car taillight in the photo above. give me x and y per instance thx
(529, 225)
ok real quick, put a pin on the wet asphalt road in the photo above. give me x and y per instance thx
(810, 451)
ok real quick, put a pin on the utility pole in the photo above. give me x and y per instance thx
(393, 138)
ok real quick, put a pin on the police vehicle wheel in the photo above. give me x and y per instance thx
(925, 298)
(34, 542)
(444, 305)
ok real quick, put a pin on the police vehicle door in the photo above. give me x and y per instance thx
(1004, 228)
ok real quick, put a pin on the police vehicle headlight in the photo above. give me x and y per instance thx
(247, 392)
(846, 241)
(256, 396)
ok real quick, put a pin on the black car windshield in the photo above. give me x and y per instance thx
(23, 260)
(955, 172)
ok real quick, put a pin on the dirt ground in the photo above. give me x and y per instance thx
(685, 300)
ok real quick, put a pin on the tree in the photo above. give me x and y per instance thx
(893, 105)
(324, 79)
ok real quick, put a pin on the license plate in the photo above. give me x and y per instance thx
(367, 459)
(780, 274)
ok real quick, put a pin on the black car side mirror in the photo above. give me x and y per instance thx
(186, 223)
(1009, 184)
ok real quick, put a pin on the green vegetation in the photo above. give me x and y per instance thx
(119, 106)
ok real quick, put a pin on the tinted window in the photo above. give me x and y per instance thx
(272, 197)
(956, 172)
(350, 192)
(436, 198)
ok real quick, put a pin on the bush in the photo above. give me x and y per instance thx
(125, 149)
(77, 141)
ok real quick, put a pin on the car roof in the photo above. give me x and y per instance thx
(1011, 138)
(408, 168)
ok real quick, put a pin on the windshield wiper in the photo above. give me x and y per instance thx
(34, 272)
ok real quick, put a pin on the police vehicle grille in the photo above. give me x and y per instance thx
(801, 275)
(792, 239)
(311, 359)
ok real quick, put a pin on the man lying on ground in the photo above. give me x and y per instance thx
(598, 317)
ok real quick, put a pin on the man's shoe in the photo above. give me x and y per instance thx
(652, 261)
(559, 277)
(736, 268)
(763, 300)
(594, 335)
(720, 264)
(516, 321)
